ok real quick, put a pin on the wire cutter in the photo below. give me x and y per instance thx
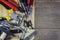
(12, 4)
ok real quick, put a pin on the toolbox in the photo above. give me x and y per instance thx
(17, 20)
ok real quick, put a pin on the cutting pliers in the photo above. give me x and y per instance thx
(12, 4)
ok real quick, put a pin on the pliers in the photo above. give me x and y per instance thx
(12, 4)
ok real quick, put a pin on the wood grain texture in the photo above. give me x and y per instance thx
(47, 20)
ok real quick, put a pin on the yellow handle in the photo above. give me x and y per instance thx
(10, 11)
(8, 18)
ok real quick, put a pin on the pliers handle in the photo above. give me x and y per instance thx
(13, 2)
(9, 5)
(13, 5)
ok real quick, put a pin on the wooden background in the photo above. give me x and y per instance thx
(47, 19)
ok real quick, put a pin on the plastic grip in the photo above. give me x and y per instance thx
(10, 5)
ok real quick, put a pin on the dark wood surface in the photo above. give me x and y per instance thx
(47, 20)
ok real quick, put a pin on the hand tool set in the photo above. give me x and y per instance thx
(24, 7)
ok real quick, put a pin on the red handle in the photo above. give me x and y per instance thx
(10, 5)
(30, 2)
(13, 2)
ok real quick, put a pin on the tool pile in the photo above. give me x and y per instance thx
(17, 15)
